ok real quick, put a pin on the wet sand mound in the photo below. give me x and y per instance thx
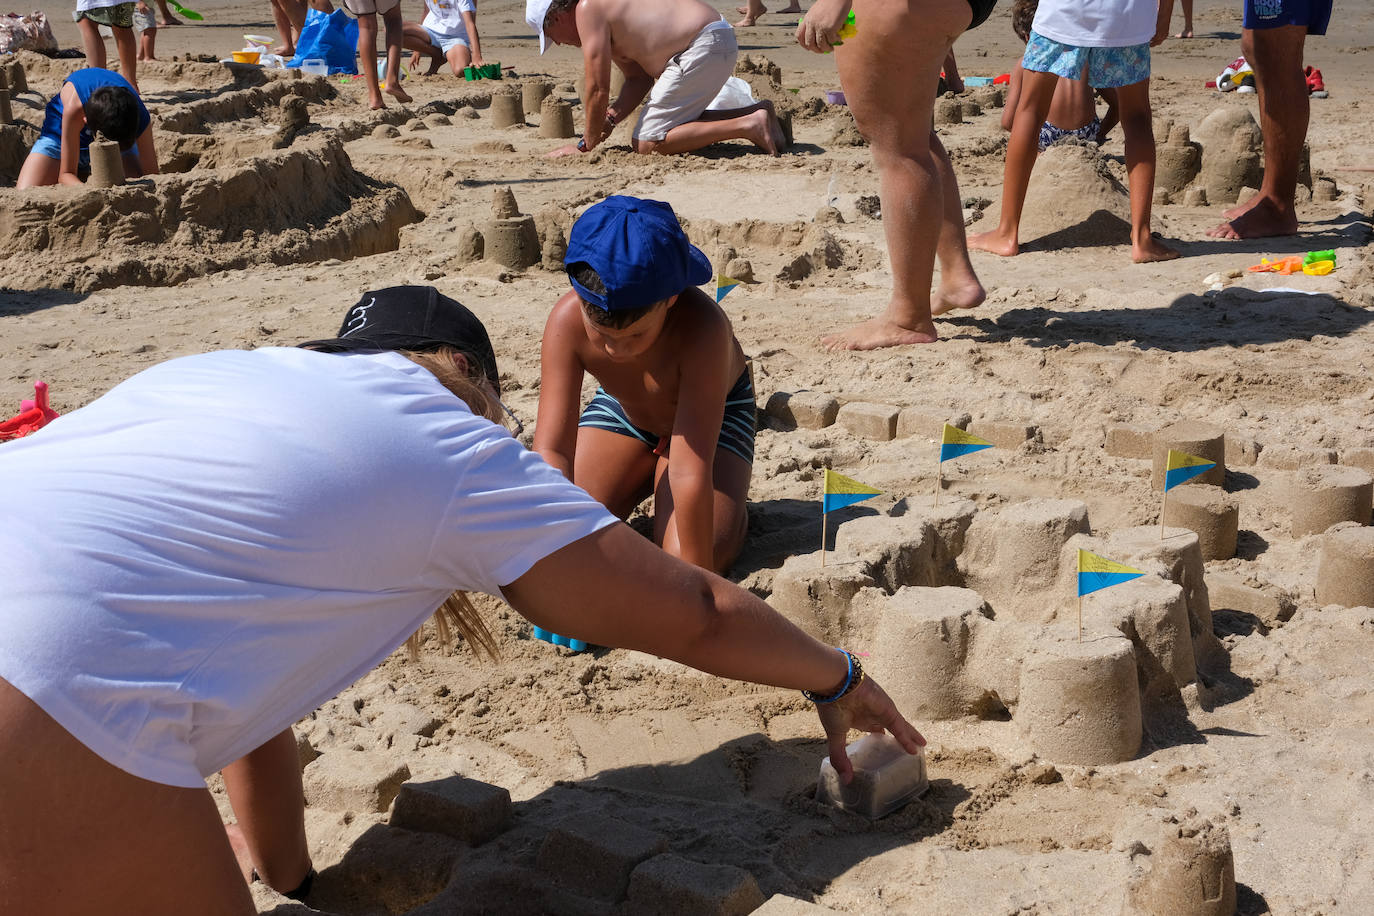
(306, 204)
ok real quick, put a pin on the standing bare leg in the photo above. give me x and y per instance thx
(1037, 92)
(367, 58)
(395, 38)
(959, 286)
(92, 43)
(127, 46)
(1276, 55)
(1138, 131)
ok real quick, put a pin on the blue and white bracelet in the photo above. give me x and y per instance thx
(853, 678)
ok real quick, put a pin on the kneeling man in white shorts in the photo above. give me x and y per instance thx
(678, 53)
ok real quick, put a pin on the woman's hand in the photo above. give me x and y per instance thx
(820, 30)
(869, 709)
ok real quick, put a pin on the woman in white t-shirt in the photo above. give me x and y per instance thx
(448, 32)
(202, 556)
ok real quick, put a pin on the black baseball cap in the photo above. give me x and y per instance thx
(416, 318)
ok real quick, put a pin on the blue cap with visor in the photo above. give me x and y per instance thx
(638, 249)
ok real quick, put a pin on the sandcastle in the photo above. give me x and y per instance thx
(510, 237)
(1327, 495)
(974, 613)
(533, 93)
(555, 119)
(507, 109)
(107, 165)
(1231, 158)
(1096, 211)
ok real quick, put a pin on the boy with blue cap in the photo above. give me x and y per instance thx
(674, 414)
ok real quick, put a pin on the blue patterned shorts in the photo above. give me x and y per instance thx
(1050, 134)
(1106, 67)
(736, 428)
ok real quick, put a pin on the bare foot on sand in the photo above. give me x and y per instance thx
(995, 242)
(287, 51)
(877, 333)
(966, 296)
(746, 22)
(398, 94)
(1151, 249)
(763, 131)
(1264, 219)
(376, 103)
(1186, 33)
(170, 20)
(1240, 209)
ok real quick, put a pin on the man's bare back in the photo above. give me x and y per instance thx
(650, 34)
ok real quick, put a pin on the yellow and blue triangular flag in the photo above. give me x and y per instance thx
(841, 491)
(956, 442)
(1182, 467)
(1096, 572)
(723, 286)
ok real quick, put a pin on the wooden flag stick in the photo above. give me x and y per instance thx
(937, 483)
(1080, 618)
(822, 539)
(1162, 504)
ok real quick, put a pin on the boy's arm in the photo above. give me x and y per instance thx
(73, 119)
(470, 22)
(702, 388)
(147, 151)
(560, 385)
(595, 33)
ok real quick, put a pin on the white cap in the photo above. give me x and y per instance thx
(535, 11)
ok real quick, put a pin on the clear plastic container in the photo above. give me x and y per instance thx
(313, 66)
(886, 777)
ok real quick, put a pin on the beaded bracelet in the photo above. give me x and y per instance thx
(853, 678)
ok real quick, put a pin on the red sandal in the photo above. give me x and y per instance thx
(1315, 86)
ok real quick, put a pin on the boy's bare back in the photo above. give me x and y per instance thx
(696, 343)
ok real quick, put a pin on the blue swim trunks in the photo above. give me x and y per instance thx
(1270, 14)
(1106, 68)
(736, 429)
(1051, 134)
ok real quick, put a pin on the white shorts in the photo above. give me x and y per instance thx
(689, 82)
(445, 42)
(356, 8)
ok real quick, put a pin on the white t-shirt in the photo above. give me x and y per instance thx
(1097, 23)
(223, 542)
(445, 17)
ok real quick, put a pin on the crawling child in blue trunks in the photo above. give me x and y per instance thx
(674, 413)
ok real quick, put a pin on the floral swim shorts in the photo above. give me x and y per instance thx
(1105, 68)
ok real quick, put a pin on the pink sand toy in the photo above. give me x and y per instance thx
(33, 415)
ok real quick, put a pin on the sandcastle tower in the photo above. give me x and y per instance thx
(1080, 701)
(507, 109)
(1324, 495)
(107, 164)
(533, 93)
(6, 112)
(510, 238)
(1210, 512)
(1178, 160)
(1192, 873)
(1074, 198)
(1192, 437)
(1012, 556)
(556, 119)
(1345, 572)
(1231, 154)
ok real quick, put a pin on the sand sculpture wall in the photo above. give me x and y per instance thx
(181, 226)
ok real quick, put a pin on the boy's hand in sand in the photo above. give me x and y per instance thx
(820, 29)
(867, 709)
(569, 150)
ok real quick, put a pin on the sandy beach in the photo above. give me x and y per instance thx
(1255, 757)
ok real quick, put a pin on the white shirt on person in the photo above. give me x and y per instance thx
(445, 17)
(1097, 23)
(216, 546)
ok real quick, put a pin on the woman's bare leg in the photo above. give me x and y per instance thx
(80, 836)
(890, 83)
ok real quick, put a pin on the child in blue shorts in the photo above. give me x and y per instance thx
(1106, 42)
(674, 415)
(92, 100)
